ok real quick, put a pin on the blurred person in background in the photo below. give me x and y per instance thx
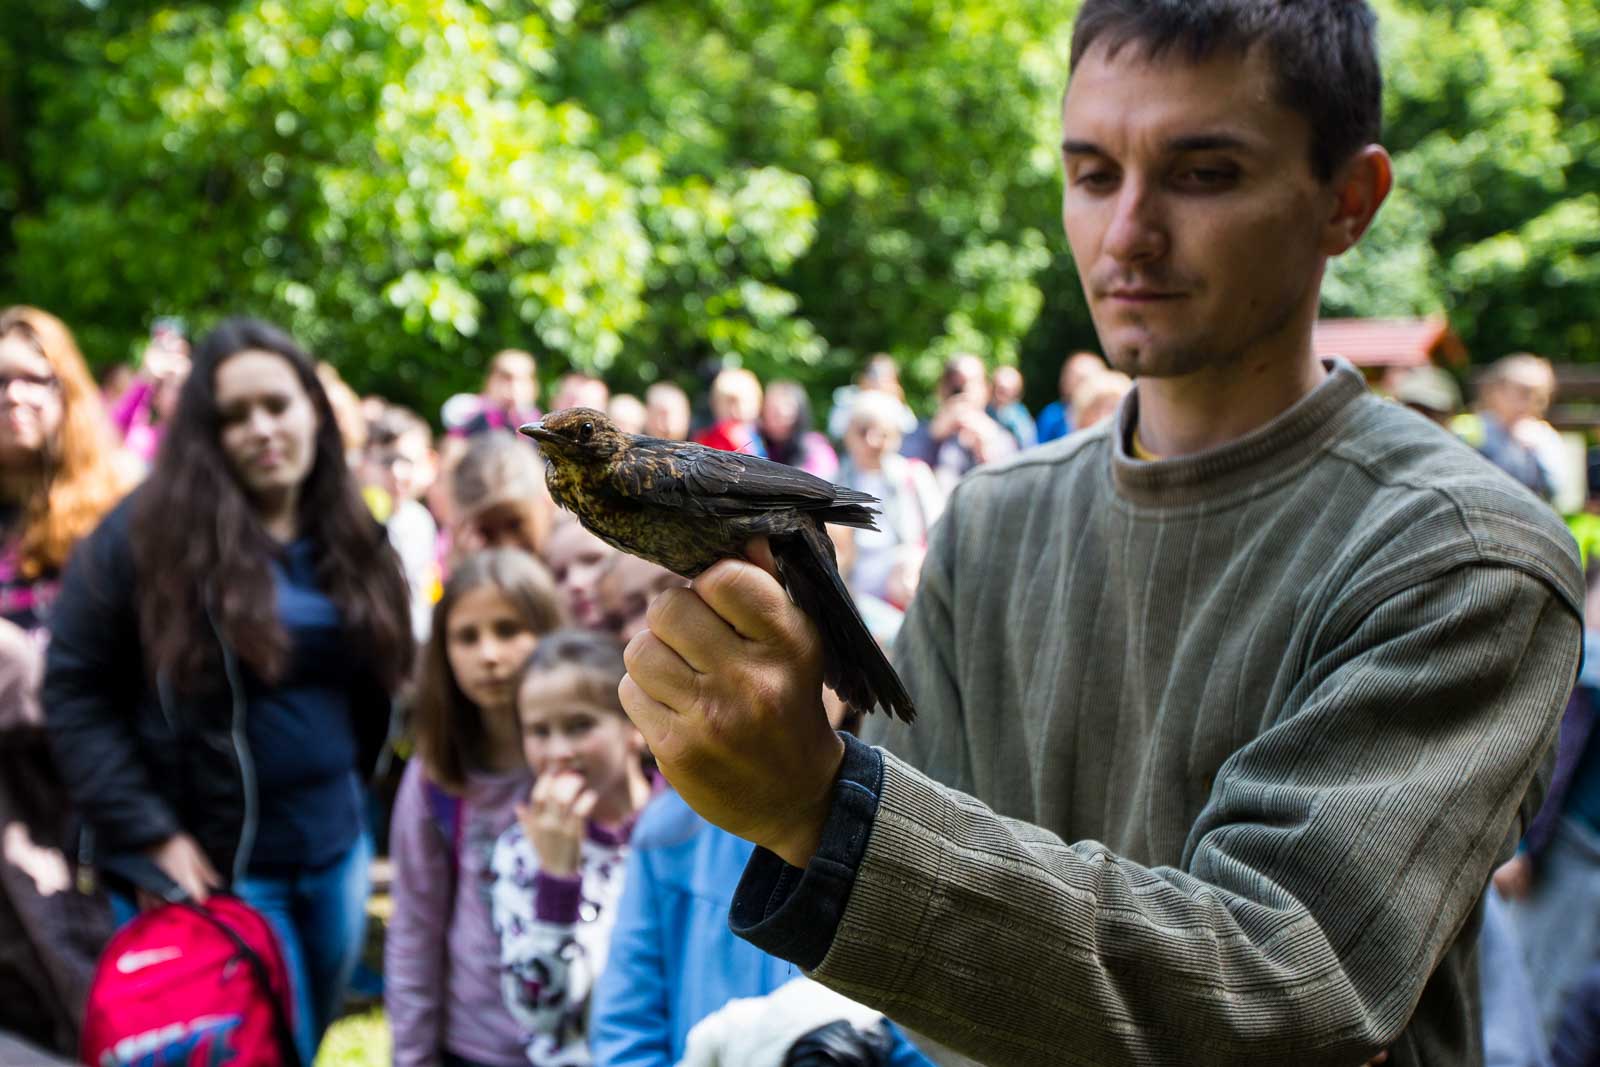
(223, 660)
(579, 390)
(58, 475)
(1552, 884)
(787, 434)
(735, 399)
(51, 934)
(627, 411)
(880, 375)
(459, 793)
(578, 559)
(911, 498)
(666, 410)
(1097, 397)
(558, 870)
(1432, 393)
(1007, 409)
(1056, 419)
(403, 464)
(57, 480)
(626, 589)
(498, 497)
(115, 381)
(1508, 427)
(674, 964)
(961, 435)
(349, 414)
(510, 395)
(142, 411)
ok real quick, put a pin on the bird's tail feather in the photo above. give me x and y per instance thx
(857, 515)
(853, 663)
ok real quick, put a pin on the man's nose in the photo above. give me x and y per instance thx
(1137, 233)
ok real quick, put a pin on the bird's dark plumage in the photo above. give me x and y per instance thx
(685, 506)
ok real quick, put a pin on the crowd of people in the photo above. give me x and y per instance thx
(265, 566)
(278, 590)
(1228, 703)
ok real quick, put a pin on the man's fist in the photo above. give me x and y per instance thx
(726, 686)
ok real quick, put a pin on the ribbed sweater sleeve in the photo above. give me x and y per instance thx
(1340, 855)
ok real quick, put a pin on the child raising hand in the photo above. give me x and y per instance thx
(558, 871)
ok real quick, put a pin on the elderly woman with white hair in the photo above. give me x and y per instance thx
(912, 499)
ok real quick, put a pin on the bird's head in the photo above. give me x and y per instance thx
(577, 435)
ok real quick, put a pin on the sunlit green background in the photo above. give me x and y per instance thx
(638, 186)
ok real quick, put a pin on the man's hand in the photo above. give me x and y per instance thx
(554, 820)
(726, 686)
(185, 862)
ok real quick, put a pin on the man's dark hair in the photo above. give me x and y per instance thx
(1323, 53)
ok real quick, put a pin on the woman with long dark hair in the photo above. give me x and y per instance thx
(225, 648)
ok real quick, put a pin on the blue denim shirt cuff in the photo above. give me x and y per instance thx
(793, 913)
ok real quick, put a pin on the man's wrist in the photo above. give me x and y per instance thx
(793, 913)
(804, 833)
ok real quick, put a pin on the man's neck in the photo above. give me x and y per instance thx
(1202, 411)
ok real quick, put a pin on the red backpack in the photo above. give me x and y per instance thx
(191, 985)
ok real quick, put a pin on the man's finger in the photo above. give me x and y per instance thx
(759, 552)
(657, 668)
(679, 617)
(748, 598)
(652, 718)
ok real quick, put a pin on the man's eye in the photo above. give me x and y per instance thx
(1095, 180)
(1208, 177)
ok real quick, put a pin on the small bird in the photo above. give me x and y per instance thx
(685, 506)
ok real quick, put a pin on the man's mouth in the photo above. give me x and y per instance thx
(1143, 296)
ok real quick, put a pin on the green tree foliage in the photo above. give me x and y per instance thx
(639, 186)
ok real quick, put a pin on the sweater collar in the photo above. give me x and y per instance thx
(1257, 457)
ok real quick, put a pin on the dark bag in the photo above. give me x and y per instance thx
(840, 1044)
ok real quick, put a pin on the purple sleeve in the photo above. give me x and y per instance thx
(414, 944)
(557, 899)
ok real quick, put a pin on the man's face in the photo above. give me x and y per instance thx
(407, 465)
(1191, 208)
(966, 382)
(510, 385)
(666, 415)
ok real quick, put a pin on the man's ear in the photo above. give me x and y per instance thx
(1360, 188)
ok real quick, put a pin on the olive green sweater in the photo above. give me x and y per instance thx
(1265, 715)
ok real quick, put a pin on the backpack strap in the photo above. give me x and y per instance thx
(258, 968)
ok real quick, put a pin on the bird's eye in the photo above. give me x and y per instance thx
(586, 431)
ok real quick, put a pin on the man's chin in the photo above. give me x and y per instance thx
(1149, 357)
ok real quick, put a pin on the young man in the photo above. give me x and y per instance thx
(1245, 685)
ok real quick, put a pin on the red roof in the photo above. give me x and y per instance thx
(1389, 342)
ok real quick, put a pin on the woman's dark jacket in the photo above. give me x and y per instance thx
(145, 760)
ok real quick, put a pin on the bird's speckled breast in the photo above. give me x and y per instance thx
(682, 542)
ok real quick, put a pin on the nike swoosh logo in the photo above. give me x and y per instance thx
(129, 962)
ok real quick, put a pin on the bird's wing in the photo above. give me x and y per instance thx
(714, 482)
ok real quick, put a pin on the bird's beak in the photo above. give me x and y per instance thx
(537, 431)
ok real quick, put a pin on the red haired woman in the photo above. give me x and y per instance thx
(58, 475)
